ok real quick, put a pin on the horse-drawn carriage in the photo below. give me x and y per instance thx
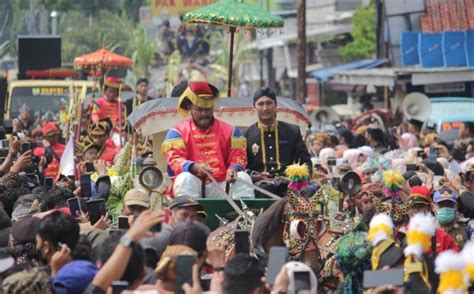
(292, 221)
(154, 118)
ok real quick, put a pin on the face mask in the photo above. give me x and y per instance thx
(445, 215)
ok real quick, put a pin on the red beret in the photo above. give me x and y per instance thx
(49, 129)
(200, 88)
(420, 194)
(112, 82)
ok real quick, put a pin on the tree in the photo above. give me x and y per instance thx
(88, 7)
(132, 8)
(142, 49)
(363, 33)
(82, 34)
(220, 66)
(13, 16)
(93, 7)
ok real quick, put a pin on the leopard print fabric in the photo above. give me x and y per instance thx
(304, 210)
(398, 211)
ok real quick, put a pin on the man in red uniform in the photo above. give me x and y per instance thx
(109, 106)
(100, 135)
(204, 144)
(420, 201)
(52, 149)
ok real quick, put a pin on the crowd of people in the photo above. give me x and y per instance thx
(412, 211)
(189, 42)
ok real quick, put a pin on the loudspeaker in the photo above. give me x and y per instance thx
(416, 106)
(324, 115)
(350, 183)
(38, 53)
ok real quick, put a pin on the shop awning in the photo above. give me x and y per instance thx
(326, 74)
(387, 76)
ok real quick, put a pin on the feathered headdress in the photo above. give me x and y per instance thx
(393, 182)
(468, 255)
(298, 175)
(380, 228)
(420, 230)
(381, 237)
(450, 265)
(300, 227)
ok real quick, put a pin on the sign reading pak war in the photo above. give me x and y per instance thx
(176, 7)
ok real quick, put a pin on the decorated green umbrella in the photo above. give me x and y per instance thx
(233, 14)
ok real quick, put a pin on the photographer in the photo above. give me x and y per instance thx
(51, 151)
(464, 189)
(285, 281)
(9, 152)
(126, 262)
(24, 122)
(243, 274)
(100, 180)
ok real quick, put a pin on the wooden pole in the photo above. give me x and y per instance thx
(301, 51)
(231, 60)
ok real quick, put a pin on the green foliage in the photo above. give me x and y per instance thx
(93, 7)
(124, 172)
(220, 41)
(87, 7)
(12, 17)
(363, 34)
(142, 49)
(82, 34)
(131, 8)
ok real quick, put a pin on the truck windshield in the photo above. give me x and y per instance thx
(39, 98)
(450, 130)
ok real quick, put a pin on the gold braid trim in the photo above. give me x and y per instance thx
(277, 146)
(173, 143)
(378, 250)
(264, 155)
(414, 266)
(204, 100)
(238, 143)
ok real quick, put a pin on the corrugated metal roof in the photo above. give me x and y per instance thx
(282, 39)
(420, 76)
(325, 74)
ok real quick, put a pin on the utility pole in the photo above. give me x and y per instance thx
(301, 51)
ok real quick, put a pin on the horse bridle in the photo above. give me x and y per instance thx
(309, 241)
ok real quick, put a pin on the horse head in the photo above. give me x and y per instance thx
(300, 233)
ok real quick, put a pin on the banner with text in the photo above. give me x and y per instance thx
(176, 7)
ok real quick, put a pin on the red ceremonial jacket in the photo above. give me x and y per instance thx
(221, 146)
(443, 242)
(102, 108)
(109, 151)
(51, 171)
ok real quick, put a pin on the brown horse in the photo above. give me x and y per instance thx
(291, 221)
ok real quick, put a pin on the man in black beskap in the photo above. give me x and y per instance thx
(140, 98)
(272, 145)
